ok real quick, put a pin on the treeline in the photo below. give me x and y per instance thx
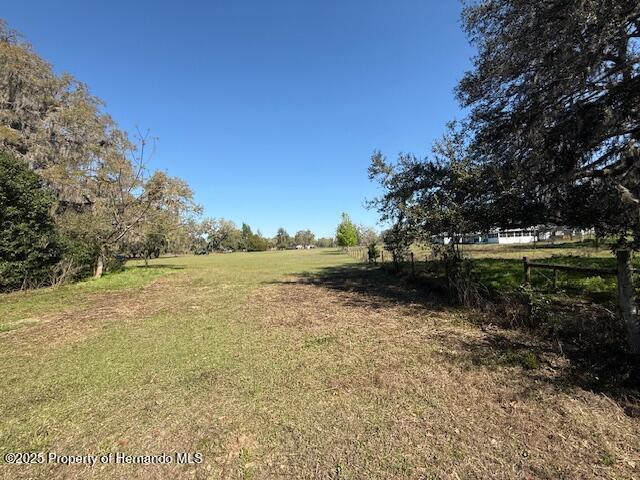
(220, 235)
(76, 194)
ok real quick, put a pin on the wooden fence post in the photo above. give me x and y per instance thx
(413, 267)
(382, 256)
(627, 299)
(527, 271)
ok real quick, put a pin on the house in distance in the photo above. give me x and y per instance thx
(513, 236)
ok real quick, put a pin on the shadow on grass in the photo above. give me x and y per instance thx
(375, 287)
(544, 357)
(159, 266)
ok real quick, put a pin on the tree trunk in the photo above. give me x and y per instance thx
(100, 263)
(626, 293)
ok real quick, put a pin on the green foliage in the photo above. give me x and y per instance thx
(462, 282)
(346, 233)
(29, 246)
(80, 253)
(245, 236)
(553, 133)
(437, 195)
(105, 195)
(537, 305)
(220, 234)
(397, 241)
(252, 242)
(553, 97)
(257, 243)
(373, 252)
(283, 239)
(304, 238)
(325, 242)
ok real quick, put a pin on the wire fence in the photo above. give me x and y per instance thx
(419, 259)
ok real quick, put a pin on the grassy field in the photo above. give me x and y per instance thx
(296, 364)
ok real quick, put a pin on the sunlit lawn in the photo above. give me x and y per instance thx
(271, 365)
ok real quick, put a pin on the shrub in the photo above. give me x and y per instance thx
(462, 284)
(373, 252)
(29, 244)
(256, 243)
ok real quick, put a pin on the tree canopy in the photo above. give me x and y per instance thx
(304, 238)
(346, 233)
(554, 97)
(105, 198)
(283, 239)
(553, 133)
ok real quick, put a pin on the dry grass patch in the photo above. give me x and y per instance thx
(421, 393)
(75, 323)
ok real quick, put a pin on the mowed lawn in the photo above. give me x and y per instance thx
(296, 364)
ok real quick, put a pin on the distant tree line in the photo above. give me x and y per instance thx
(210, 235)
(220, 235)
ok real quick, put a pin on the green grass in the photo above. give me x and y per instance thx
(54, 394)
(507, 274)
(268, 377)
(18, 309)
(500, 267)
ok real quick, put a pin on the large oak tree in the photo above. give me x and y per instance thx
(555, 110)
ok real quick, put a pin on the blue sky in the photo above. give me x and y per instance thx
(269, 109)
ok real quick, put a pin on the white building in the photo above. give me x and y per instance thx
(515, 235)
(512, 236)
(508, 236)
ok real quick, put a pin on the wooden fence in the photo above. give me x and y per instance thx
(528, 265)
(626, 291)
(626, 288)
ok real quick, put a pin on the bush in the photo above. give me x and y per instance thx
(256, 243)
(373, 252)
(462, 284)
(29, 244)
(82, 254)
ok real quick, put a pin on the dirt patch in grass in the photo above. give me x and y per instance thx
(76, 323)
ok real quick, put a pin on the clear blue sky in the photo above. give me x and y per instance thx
(269, 109)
